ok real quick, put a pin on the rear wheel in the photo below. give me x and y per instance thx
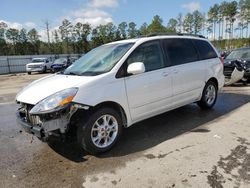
(100, 132)
(209, 96)
(29, 73)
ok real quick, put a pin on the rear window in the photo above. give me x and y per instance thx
(180, 51)
(205, 49)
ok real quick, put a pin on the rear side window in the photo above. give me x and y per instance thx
(180, 51)
(150, 54)
(205, 49)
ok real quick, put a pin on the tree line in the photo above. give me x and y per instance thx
(227, 24)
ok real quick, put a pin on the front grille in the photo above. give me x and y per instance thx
(34, 66)
(32, 119)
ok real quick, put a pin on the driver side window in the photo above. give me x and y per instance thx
(150, 54)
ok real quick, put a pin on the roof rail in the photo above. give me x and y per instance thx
(172, 34)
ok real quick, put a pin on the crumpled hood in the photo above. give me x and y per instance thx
(44, 87)
(230, 61)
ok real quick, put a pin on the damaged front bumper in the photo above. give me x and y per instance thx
(44, 125)
(28, 127)
(235, 77)
(236, 70)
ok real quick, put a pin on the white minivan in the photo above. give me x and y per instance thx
(118, 84)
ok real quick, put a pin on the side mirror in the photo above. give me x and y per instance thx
(136, 68)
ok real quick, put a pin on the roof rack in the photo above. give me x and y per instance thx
(171, 34)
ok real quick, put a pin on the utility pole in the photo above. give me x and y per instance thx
(47, 30)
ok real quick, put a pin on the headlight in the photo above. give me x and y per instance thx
(54, 102)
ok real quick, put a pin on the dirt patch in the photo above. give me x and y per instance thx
(215, 179)
(160, 156)
(150, 156)
(114, 182)
(236, 165)
(94, 179)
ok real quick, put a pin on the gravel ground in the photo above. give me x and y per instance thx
(186, 147)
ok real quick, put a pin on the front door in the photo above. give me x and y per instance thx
(149, 93)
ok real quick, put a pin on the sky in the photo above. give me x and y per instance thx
(34, 13)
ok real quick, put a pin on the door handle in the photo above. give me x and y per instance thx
(176, 71)
(165, 74)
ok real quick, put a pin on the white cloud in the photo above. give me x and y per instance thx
(43, 35)
(26, 25)
(92, 16)
(94, 21)
(192, 6)
(14, 25)
(90, 13)
(93, 13)
(103, 3)
(30, 24)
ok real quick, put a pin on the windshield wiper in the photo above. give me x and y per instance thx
(71, 73)
(90, 73)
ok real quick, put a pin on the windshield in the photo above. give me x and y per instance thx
(239, 54)
(99, 60)
(38, 60)
(60, 61)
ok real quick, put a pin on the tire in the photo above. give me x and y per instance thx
(88, 131)
(29, 73)
(208, 100)
(45, 69)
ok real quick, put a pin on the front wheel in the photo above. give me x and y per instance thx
(100, 132)
(209, 96)
(45, 69)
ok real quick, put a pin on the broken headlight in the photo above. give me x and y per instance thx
(54, 102)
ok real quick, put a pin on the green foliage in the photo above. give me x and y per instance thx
(180, 22)
(172, 25)
(80, 37)
(12, 35)
(132, 31)
(33, 36)
(219, 23)
(144, 29)
(188, 23)
(156, 26)
(3, 27)
(122, 27)
(234, 43)
(193, 22)
(198, 20)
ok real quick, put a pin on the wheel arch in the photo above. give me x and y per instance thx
(114, 106)
(213, 79)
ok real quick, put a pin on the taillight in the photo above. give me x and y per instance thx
(221, 60)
